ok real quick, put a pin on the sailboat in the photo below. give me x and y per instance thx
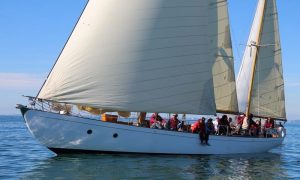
(169, 56)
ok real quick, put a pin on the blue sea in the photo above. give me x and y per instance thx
(22, 157)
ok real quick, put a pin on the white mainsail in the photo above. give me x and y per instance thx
(260, 83)
(146, 56)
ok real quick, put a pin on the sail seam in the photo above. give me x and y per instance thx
(160, 58)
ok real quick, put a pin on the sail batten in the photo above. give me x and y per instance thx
(151, 56)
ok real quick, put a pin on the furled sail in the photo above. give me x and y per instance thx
(223, 68)
(145, 56)
(260, 83)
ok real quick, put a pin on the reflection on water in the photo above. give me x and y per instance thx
(160, 167)
(22, 157)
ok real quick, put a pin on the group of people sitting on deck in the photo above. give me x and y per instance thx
(243, 125)
(156, 121)
(247, 126)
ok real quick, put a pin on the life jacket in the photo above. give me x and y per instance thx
(152, 119)
(268, 125)
(240, 120)
(173, 123)
(195, 127)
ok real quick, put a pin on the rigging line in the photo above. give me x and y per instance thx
(243, 50)
(235, 46)
(232, 32)
(252, 20)
(258, 76)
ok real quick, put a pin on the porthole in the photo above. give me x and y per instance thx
(115, 135)
(89, 131)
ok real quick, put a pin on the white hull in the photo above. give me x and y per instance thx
(64, 132)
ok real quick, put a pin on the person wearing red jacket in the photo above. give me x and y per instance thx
(174, 122)
(196, 126)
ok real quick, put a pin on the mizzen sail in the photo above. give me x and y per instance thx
(260, 83)
(146, 56)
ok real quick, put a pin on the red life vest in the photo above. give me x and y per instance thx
(268, 125)
(173, 123)
(195, 127)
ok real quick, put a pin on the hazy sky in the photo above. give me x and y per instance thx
(33, 32)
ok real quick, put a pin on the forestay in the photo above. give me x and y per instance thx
(145, 56)
(267, 93)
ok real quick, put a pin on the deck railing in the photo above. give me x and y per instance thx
(67, 109)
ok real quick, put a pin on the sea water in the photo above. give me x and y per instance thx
(22, 157)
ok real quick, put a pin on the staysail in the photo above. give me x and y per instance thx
(260, 83)
(143, 56)
(223, 68)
